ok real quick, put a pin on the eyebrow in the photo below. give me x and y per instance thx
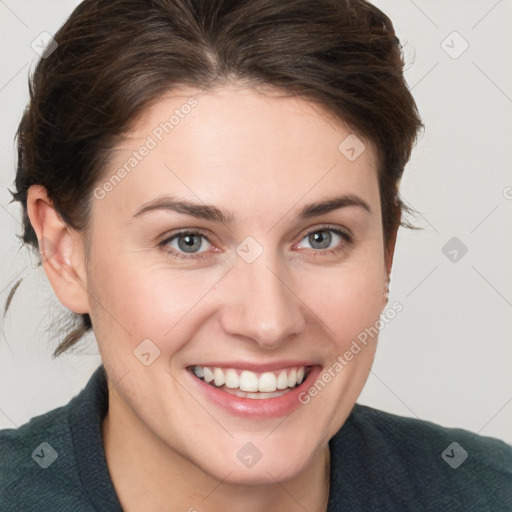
(212, 213)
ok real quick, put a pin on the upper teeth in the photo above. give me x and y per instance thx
(245, 380)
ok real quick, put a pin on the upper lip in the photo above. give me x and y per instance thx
(256, 367)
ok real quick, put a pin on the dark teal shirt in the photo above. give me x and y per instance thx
(379, 462)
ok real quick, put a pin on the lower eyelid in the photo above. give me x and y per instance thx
(344, 236)
(171, 238)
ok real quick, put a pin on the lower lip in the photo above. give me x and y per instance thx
(254, 408)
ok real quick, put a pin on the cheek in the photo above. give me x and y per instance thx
(347, 299)
(136, 301)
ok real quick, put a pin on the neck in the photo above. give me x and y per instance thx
(148, 475)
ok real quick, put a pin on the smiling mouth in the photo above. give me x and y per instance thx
(247, 384)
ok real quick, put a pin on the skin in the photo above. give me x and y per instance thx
(263, 158)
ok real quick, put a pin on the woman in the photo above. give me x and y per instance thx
(213, 188)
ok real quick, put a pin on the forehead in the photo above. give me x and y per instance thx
(237, 145)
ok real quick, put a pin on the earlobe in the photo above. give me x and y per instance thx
(386, 288)
(391, 244)
(61, 251)
(388, 263)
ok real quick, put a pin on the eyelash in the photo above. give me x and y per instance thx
(346, 239)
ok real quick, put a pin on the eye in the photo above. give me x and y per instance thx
(323, 239)
(187, 242)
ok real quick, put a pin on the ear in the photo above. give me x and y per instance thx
(61, 249)
(389, 253)
(391, 242)
(390, 249)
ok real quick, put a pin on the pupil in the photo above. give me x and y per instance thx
(187, 243)
(323, 238)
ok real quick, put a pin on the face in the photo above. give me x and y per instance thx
(208, 260)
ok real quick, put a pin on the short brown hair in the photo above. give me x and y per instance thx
(115, 57)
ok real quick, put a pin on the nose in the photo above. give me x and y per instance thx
(261, 304)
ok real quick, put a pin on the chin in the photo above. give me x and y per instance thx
(261, 461)
(262, 473)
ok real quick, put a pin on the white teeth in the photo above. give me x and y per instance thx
(248, 381)
(282, 380)
(268, 383)
(232, 379)
(251, 383)
(218, 377)
(208, 374)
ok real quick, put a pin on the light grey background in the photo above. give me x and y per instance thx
(447, 356)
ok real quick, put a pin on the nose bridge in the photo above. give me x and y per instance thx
(262, 307)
